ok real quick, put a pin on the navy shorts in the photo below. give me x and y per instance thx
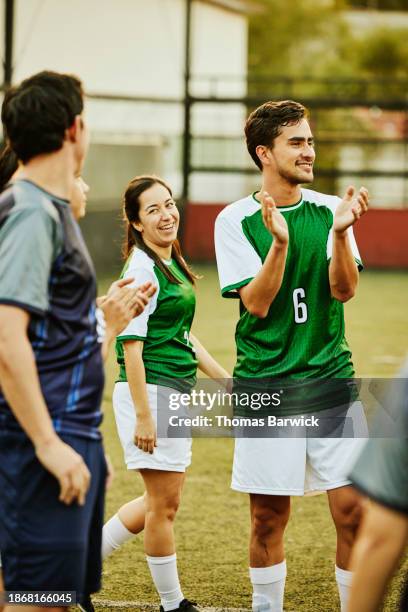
(46, 545)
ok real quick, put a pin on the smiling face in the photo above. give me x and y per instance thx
(292, 155)
(158, 217)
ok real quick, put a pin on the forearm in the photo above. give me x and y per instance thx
(21, 387)
(207, 363)
(343, 271)
(107, 341)
(259, 294)
(376, 554)
(136, 376)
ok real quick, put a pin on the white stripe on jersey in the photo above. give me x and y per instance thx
(141, 268)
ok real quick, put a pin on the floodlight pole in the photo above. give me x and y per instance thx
(8, 42)
(186, 161)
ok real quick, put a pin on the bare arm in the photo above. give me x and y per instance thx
(207, 363)
(260, 292)
(21, 387)
(379, 547)
(145, 433)
(343, 272)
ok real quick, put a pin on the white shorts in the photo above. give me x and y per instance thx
(171, 454)
(295, 466)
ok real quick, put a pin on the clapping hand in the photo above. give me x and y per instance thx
(122, 303)
(351, 208)
(273, 220)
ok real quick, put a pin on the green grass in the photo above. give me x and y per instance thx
(212, 526)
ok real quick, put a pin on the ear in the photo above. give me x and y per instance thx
(263, 154)
(138, 226)
(75, 129)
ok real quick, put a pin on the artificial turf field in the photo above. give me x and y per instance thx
(212, 525)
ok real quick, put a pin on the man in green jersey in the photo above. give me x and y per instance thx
(290, 257)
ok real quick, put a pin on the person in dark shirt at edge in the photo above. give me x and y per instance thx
(52, 465)
(380, 474)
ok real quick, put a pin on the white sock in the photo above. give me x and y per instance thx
(268, 585)
(114, 534)
(165, 577)
(343, 579)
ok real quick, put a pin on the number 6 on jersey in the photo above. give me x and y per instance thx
(299, 307)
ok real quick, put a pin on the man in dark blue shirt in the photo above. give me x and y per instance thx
(51, 373)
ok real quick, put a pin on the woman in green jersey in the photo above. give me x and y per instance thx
(158, 356)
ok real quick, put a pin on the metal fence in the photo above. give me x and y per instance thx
(360, 127)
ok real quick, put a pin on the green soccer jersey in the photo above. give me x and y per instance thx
(164, 326)
(303, 333)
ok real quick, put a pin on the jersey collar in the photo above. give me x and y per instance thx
(282, 208)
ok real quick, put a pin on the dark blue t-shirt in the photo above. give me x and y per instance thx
(45, 269)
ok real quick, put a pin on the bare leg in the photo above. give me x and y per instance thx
(163, 492)
(345, 508)
(269, 517)
(121, 527)
(380, 545)
(132, 514)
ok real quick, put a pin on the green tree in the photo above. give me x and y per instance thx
(306, 39)
(297, 38)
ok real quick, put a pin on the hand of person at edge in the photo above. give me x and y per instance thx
(68, 467)
(123, 303)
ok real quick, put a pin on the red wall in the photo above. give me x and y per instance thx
(382, 238)
(382, 235)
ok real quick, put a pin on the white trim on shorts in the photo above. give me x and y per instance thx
(170, 454)
(298, 465)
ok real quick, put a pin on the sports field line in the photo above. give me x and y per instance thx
(140, 605)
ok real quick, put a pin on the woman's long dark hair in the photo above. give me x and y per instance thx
(131, 206)
(8, 166)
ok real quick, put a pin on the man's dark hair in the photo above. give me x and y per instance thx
(37, 112)
(265, 123)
